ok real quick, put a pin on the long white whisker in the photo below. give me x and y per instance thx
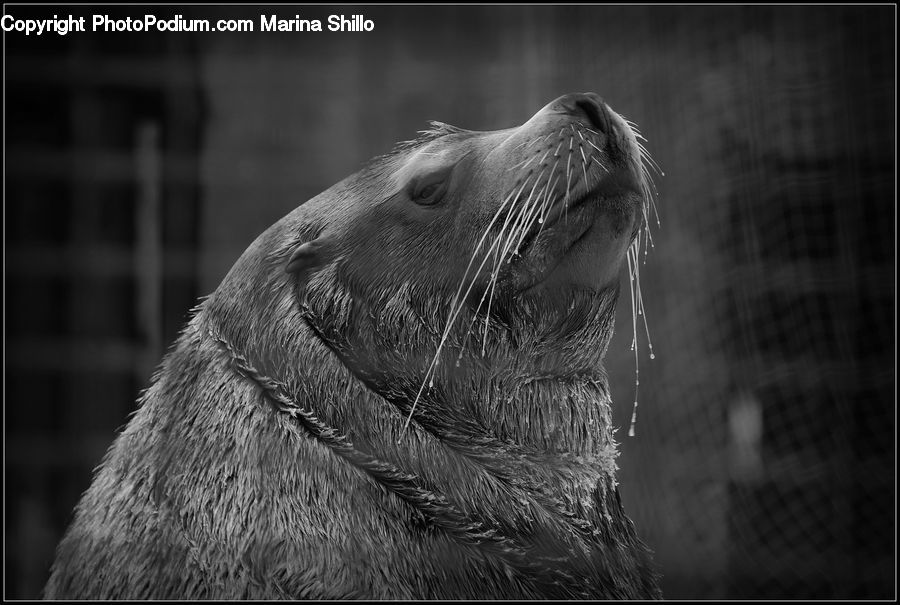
(481, 241)
(523, 164)
(591, 143)
(531, 216)
(458, 302)
(631, 287)
(548, 201)
(454, 314)
(599, 163)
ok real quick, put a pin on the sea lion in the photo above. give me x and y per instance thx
(397, 391)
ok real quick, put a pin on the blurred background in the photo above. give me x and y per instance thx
(139, 166)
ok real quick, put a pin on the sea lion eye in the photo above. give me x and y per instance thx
(427, 191)
(430, 189)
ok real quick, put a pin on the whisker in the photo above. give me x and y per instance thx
(525, 144)
(631, 275)
(552, 187)
(548, 200)
(493, 287)
(523, 164)
(531, 216)
(599, 163)
(456, 299)
(544, 157)
(429, 374)
(522, 219)
(591, 143)
(506, 222)
(481, 241)
(514, 227)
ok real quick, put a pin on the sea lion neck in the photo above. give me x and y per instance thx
(537, 385)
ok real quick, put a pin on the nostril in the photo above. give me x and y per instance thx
(595, 113)
(586, 106)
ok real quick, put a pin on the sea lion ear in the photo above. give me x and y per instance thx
(306, 256)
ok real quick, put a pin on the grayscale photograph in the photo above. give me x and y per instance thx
(449, 302)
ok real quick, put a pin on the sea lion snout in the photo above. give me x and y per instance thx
(580, 191)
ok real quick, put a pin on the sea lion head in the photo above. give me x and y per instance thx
(479, 241)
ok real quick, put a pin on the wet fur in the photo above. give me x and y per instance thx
(271, 456)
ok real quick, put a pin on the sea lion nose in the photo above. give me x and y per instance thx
(583, 105)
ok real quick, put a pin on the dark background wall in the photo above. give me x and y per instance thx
(140, 165)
